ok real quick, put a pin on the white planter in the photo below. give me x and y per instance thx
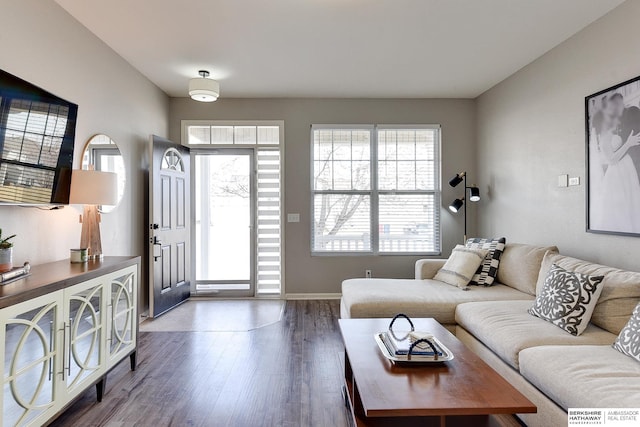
(6, 260)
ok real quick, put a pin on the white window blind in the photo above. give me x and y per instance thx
(269, 247)
(376, 189)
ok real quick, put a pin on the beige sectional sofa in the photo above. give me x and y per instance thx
(554, 369)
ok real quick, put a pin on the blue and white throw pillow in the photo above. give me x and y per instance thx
(488, 270)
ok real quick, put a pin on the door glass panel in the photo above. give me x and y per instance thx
(223, 222)
(172, 160)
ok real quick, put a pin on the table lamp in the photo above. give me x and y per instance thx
(92, 188)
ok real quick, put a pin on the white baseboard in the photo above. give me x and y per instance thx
(312, 296)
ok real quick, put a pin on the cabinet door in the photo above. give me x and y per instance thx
(123, 321)
(31, 333)
(84, 320)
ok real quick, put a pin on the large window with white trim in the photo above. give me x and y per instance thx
(375, 189)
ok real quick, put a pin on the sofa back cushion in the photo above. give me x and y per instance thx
(520, 266)
(620, 289)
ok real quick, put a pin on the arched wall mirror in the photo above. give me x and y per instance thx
(101, 153)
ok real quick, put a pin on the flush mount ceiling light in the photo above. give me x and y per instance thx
(204, 89)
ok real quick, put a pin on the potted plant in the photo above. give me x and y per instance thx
(6, 253)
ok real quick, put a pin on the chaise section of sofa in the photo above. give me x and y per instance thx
(415, 298)
(425, 297)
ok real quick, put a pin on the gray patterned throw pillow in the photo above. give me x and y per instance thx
(628, 342)
(568, 299)
(488, 270)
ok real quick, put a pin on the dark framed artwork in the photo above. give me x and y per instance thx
(612, 118)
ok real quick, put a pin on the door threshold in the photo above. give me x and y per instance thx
(223, 297)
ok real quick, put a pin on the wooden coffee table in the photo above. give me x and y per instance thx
(461, 392)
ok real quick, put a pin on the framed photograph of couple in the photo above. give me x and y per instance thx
(612, 118)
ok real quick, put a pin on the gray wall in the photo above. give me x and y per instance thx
(307, 274)
(531, 129)
(44, 45)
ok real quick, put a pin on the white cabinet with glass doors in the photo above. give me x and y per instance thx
(57, 345)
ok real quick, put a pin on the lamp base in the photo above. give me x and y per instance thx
(90, 236)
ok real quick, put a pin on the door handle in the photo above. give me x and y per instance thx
(51, 328)
(64, 341)
(157, 245)
(71, 343)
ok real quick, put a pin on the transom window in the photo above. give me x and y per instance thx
(376, 189)
(233, 134)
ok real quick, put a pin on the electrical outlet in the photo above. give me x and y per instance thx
(367, 274)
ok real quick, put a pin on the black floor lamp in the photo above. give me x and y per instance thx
(474, 196)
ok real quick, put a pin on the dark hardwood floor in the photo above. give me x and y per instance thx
(286, 374)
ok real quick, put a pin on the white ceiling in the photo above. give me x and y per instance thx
(335, 48)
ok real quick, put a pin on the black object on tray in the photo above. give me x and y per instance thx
(411, 346)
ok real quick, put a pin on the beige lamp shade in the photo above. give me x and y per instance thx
(90, 187)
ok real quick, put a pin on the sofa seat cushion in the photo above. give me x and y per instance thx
(507, 329)
(583, 376)
(416, 298)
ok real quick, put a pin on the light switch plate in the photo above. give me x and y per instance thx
(563, 180)
(293, 217)
(573, 181)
